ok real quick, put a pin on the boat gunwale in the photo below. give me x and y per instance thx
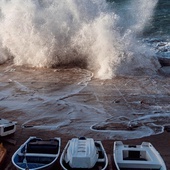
(143, 145)
(43, 166)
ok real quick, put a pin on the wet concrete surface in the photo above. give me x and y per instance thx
(71, 103)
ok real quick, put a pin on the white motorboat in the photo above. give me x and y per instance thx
(37, 154)
(7, 127)
(84, 153)
(137, 157)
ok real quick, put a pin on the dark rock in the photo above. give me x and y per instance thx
(167, 128)
(165, 70)
(164, 61)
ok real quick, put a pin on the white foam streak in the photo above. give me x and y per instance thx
(43, 33)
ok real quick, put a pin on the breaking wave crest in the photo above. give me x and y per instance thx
(47, 33)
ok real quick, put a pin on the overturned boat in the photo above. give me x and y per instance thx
(7, 127)
(37, 154)
(84, 153)
(137, 157)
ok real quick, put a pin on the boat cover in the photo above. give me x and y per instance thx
(82, 153)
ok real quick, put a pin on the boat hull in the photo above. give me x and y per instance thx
(101, 163)
(3, 153)
(7, 127)
(137, 157)
(37, 154)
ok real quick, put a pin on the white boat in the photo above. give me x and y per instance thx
(7, 127)
(37, 154)
(83, 153)
(137, 157)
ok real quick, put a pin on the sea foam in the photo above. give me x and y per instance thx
(88, 33)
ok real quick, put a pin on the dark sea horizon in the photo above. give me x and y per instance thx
(160, 29)
(157, 31)
(160, 25)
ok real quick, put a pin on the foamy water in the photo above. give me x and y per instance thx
(47, 33)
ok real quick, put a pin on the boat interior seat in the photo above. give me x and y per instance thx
(30, 165)
(134, 155)
(101, 160)
(48, 147)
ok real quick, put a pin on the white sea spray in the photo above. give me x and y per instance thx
(47, 33)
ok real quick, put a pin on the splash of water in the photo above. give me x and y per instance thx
(44, 33)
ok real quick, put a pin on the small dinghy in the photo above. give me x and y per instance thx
(84, 153)
(37, 154)
(7, 127)
(137, 157)
(3, 153)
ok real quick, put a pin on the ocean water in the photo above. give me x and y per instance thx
(157, 30)
(160, 26)
(109, 38)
